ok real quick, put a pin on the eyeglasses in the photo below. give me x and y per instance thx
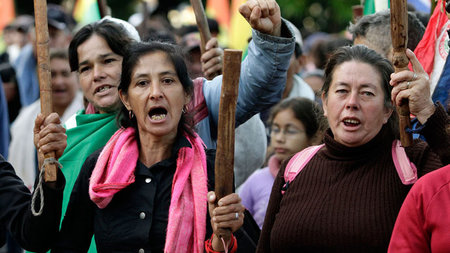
(274, 130)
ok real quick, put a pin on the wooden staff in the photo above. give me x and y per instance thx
(43, 61)
(224, 165)
(202, 23)
(399, 34)
(143, 30)
(102, 8)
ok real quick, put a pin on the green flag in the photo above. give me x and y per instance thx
(372, 6)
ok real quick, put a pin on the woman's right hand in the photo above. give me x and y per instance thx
(49, 135)
(227, 216)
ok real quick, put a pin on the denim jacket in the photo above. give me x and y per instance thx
(262, 81)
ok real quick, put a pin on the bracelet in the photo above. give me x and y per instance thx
(232, 248)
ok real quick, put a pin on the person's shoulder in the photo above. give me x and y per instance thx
(301, 89)
(255, 179)
(437, 178)
(432, 183)
(27, 115)
(259, 175)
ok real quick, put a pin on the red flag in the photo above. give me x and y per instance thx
(425, 49)
(6, 12)
(219, 10)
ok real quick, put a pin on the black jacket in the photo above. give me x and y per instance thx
(32, 233)
(136, 218)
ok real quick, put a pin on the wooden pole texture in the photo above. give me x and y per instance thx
(44, 75)
(143, 29)
(102, 8)
(202, 23)
(224, 165)
(399, 34)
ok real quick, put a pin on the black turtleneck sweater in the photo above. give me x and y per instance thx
(346, 199)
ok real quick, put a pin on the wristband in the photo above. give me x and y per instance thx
(232, 248)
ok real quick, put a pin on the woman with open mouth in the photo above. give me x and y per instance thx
(154, 167)
(346, 197)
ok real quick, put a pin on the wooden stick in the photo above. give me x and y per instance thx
(43, 60)
(102, 8)
(143, 29)
(399, 34)
(224, 165)
(202, 23)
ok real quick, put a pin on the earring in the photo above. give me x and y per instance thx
(183, 110)
(130, 114)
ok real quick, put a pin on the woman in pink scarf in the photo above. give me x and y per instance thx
(146, 190)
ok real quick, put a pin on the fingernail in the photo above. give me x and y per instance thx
(211, 197)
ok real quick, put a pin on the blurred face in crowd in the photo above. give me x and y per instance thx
(99, 72)
(58, 38)
(354, 105)
(64, 83)
(191, 42)
(288, 135)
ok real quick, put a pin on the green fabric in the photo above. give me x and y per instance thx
(369, 7)
(91, 133)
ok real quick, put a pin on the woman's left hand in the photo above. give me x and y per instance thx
(226, 216)
(414, 86)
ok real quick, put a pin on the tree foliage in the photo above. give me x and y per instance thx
(330, 16)
(309, 15)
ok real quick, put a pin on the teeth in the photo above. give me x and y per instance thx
(103, 88)
(351, 121)
(158, 117)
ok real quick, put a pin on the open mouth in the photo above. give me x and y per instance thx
(158, 113)
(351, 122)
(58, 91)
(102, 88)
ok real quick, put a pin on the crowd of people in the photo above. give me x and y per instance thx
(318, 162)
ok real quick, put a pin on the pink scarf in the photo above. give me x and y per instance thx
(274, 165)
(115, 167)
(114, 171)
